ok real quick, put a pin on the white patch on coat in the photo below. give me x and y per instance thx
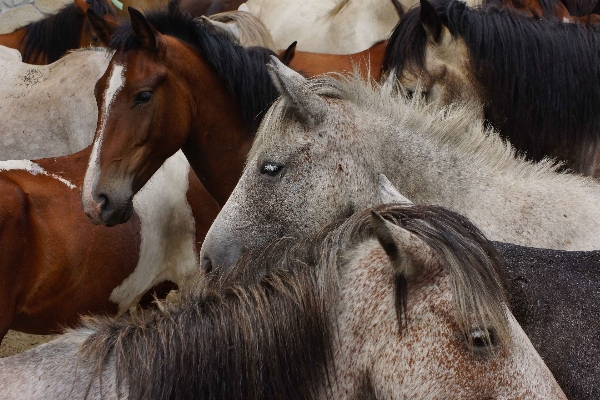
(33, 169)
(168, 231)
(116, 81)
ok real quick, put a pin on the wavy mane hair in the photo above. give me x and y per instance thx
(252, 30)
(266, 330)
(540, 77)
(54, 35)
(243, 70)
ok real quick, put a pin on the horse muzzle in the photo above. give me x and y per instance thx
(103, 209)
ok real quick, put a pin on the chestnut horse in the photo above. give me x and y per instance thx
(410, 307)
(56, 265)
(151, 88)
(46, 40)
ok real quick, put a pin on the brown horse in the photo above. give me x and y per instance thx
(368, 62)
(545, 9)
(194, 7)
(206, 90)
(55, 265)
(46, 40)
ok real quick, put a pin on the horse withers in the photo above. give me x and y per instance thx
(402, 302)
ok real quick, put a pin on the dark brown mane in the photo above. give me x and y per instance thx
(54, 35)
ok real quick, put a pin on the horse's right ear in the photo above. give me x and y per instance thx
(431, 21)
(103, 28)
(148, 36)
(288, 54)
(408, 253)
(307, 105)
(82, 6)
(230, 29)
(388, 192)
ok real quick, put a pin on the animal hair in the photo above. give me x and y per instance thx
(252, 30)
(54, 35)
(540, 77)
(243, 71)
(547, 6)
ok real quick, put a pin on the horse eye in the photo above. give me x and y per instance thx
(95, 39)
(143, 97)
(482, 338)
(271, 168)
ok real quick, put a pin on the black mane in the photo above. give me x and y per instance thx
(540, 78)
(243, 70)
(54, 35)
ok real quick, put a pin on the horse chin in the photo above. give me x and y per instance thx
(116, 217)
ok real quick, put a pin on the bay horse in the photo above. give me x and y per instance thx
(496, 58)
(151, 83)
(321, 147)
(327, 26)
(49, 110)
(56, 265)
(46, 40)
(554, 296)
(397, 302)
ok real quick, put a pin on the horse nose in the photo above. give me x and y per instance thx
(95, 207)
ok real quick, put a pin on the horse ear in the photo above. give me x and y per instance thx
(104, 29)
(408, 253)
(309, 107)
(288, 54)
(388, 192)
(231, 29)
(149, 37)
(82, 6)
(431, 20)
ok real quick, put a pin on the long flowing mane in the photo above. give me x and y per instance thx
(265, 329)
(54, 35)
(243, 71)
(540, 77)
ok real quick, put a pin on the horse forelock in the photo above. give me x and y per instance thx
(54, 35)
(243, 71)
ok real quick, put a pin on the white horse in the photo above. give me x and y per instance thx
(244, 27)
(318, 153)
(410, 306)
(7, 53)
(49, 110)
(326, 26)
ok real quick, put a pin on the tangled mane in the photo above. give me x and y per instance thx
(252, 30)
(54, 35)
(456, 126)
(540, 77)
(243, 71)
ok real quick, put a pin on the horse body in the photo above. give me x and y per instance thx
(332, 26)
(45, 41)
(57, 266)
(334, 150)
(495, 58)
(50, 110)
(336, 315)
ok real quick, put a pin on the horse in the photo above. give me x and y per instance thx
(7, 53)
(537, 8)
(46, 40)
(244, 27)
(49, 110)
(332, 27)
(496, 58)
(56, 265)
(209, 7)
(397, 302)
(321, 147)
(554, 297)
(164, 69)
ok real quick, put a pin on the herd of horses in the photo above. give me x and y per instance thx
(356, 199)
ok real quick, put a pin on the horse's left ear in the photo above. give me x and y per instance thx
(286, 56)
(148, 36)
(431, 21)
(308, 106)
(102, 27)
(408, 253)
(388, 192)
(82, 6)
(231, 29)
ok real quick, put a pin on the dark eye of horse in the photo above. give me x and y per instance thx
(143, 97)
(482, 338)
(271, 168)
(95, 39)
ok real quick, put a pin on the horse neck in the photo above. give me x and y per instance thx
(499, 193)
(219, 139)
(14, 39)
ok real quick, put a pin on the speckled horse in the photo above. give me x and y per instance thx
(405, 302)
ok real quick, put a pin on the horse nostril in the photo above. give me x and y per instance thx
(206, 265)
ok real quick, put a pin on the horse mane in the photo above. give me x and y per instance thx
(547, 6)
(243, 71)
(515, 59)
(252, 30)
(57, 33)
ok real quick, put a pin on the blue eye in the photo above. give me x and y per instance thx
(271, 168)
